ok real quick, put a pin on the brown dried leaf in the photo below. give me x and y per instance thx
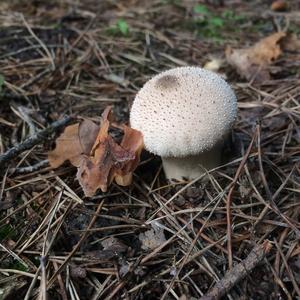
(108, 160)
(279, 5)
(114, 244)
(132, 142)
(67, 141)
(76, 140)
(252, 63)
(77, 271)
(88, 132)
(152, 238)
(93, 172)
(290, 43)
(97, 156)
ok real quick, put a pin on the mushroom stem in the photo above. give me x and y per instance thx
(192, 166)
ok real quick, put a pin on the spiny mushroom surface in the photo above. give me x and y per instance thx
(184, 112)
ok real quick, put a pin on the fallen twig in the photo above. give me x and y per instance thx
(238, 272)
(29, 169)
(32, 140)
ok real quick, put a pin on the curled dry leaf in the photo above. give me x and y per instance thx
(252, 63)
(76, 140)
(77, 271)
(290, 43)
(108, 160)
(152, 238)
(97, 156)
(133, 143)
(114, 244)
(279, 5)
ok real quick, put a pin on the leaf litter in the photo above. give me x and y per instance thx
(253, 63)
(98, 158)
(153, 237)
(85, 55)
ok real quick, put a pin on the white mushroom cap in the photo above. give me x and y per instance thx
(183, 111)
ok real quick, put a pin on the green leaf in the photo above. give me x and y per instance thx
(123, 26)
(201, 9)
(1, 82)
(217, 22)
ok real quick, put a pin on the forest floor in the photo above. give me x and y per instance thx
(153, 239)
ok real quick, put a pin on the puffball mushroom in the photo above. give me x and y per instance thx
(184, 115)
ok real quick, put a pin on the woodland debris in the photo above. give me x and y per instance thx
(290, 43)
(279, 5)
(29, 169)
(152, 238)
(84, 52)
(32, 141)
(238, 272)
(99, 159)
(76, 140)
(114, 245)
(252, 63)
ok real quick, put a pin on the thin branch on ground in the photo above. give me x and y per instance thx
(238, 272)
(33, 140)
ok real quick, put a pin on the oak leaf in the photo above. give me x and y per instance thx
(252, 63)
(99, 159)
(76, 140)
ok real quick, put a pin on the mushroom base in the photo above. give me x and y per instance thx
(191, 167)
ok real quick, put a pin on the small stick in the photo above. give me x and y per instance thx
(63, 292)
(33, 140)
(238, 272)
(29, 169)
